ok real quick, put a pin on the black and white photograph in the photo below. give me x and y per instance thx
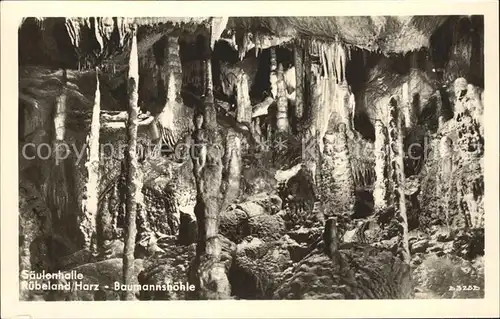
(281, 157)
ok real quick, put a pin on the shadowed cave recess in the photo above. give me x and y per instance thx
(253, 157)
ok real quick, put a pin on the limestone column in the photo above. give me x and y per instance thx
(210, 275)
(273, 76)
(298, 53)
(343, 191)
(282, 123)
(133, 185)
(91, 196)
(397, 177)
(445, 157)
(380, 187)
(234, 140)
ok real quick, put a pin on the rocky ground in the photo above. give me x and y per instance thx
(266, 259)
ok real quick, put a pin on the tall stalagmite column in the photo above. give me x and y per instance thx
(60, 116)
(298, 54)
(446, 158)
(380, 187)
(327, 182)
(173, 66)
(407, 107)
(211, 279)
(61, 149)
(282, 114)
(88, 224)
(398, 177)
(470, 150)
(243, 104)
(133, 186)
(273, 76)
(171, 75)
(344, 189)
(234, 139)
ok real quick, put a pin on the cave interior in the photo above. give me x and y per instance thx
(392, 107)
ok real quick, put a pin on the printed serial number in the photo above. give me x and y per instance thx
(464, 288)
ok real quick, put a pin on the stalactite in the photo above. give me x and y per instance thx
(282, 114)
(89, 205)
(218, 24)
(211, 280)
(338, 62)
(343, 61)
(273, 76)
(133, 190)
(171, 73)
(380, 188)
(246, 45)
(398, 178)
(299, 81)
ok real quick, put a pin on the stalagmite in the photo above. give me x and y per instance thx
(343, 191)
(470, 147)
(89, 205)
(233, 143)
(380, 188)
(60, 116)
(439, 109)
(133, 190)
(352, 111)
(299, 81)
(331, 238)
(327, 182)
(166, 117)
(173, 67)
(397, 177)
(282, 113)
(446, 157)
(273, 76)
(170, 71)
(311, 145)
(406, 106)
(233, 167)
(210, 277)
(243, 104)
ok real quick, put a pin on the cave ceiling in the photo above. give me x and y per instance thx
(82, 44)
(89, 42)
